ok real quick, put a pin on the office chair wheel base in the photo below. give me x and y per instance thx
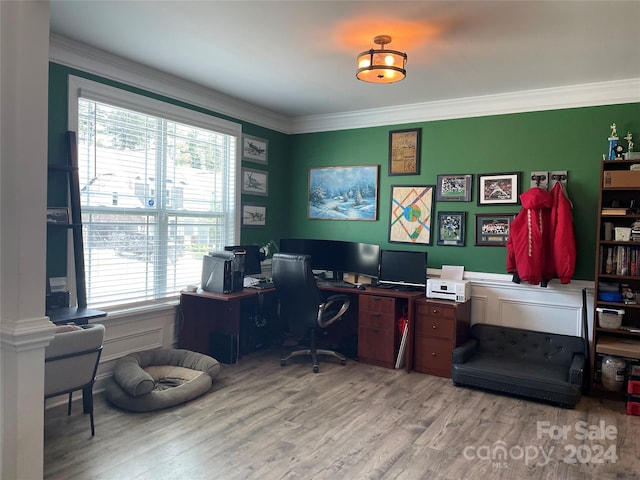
(283, 362)
(316, 369)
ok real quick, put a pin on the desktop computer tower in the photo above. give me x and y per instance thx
(224, 348)
(223, 272)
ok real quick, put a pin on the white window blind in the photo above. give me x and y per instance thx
(156, 194)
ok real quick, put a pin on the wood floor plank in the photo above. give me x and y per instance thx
(262, 421)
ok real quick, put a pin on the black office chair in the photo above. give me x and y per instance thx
(301, 303)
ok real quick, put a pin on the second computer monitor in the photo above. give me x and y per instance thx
(362, 258)
(402, 267)
(252, 265)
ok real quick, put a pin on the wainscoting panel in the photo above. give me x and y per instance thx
(127, 332)
(133, 332)
(556, 308)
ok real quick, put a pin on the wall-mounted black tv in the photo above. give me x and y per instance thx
(403, 268)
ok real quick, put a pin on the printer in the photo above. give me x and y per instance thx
(457, 290)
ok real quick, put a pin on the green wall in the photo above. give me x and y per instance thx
(571, 139)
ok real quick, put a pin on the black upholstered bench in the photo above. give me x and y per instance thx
(537, 365)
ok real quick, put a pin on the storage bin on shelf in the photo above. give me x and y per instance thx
(613, 373)
(633, 387)
(633, 406)
(610, 317)
(610, 296)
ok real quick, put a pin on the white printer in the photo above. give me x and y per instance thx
(457, 290)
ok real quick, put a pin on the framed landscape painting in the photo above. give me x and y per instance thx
(411, 214)
(343, 193)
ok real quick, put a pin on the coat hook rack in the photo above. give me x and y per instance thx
(540, 179)
(559, 176)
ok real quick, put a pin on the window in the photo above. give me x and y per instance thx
(157, 188)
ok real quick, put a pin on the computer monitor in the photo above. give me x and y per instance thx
(362, 258)
(336, 256)
(252, 265)
(325, 254)
(403, 268)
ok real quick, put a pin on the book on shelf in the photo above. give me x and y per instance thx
(615, 211)
(620, 260)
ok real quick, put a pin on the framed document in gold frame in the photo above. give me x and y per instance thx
(404, 151)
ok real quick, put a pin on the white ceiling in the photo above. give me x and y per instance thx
(297, 58)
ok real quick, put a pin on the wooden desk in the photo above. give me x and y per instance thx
(205, 313)
(375, 312)
(378, 336)
(439, 326)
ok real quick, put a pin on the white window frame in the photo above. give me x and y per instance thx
(81, 87)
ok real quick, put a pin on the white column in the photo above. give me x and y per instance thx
(24, 329)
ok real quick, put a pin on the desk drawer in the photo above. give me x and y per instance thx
(376, 320)
(375, 303)
(433, 356)
(432, 310)
(376, 346)
(437, 327)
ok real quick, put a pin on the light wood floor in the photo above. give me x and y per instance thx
(262, 421)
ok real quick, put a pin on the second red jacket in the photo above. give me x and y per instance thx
(529, 246)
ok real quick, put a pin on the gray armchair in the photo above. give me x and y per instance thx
(302, 306)
(71, 362)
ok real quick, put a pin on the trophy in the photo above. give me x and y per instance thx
(613, 143)
(631, 155)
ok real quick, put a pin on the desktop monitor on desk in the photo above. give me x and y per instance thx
(252, 258)
(403, 269)
(336, 256)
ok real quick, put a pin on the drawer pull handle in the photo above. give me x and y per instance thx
(434, 327)
(375, 330)
(433, 354)
(375, 314)
(435, 310)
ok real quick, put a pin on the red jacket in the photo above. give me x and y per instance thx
(562, 234)
(529, 246)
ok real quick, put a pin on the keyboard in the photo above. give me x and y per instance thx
(325, 283)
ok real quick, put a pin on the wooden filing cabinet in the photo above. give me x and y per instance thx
(378, 338)
(440, 326)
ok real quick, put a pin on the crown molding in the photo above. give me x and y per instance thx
(77, 55)
(575, 96)
(91, 60)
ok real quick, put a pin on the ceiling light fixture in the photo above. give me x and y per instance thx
(381, 66)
